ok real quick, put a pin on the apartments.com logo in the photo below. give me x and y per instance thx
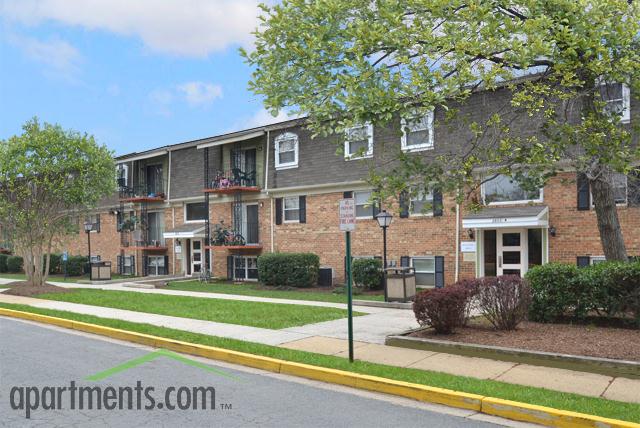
(30, 399)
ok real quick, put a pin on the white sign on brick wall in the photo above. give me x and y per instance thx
(347, 215)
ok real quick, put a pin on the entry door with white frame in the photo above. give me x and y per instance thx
(197, 254)
(511, 248)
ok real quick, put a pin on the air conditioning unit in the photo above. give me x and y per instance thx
(326, 277)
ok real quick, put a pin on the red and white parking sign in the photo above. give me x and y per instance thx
(347, 215)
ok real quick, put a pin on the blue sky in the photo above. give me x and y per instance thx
(136, 77)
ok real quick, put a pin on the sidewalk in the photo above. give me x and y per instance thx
(329, 338)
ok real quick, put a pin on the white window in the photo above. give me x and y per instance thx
(123, 174)
(95, 259)
(594, 260)
(291, 209)
(286, 150)
(618, 99)
(364, 208)
(417, 132)
(619, 184)
(425, 268)
(245, 268)
(358, 142)
(506, 190)
(422, 204)
(195, 212)
(156, 266)
(94, 219)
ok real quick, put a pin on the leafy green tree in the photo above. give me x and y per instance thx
(346, 62)
(49, 177)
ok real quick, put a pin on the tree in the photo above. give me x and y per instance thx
(49, 177)
(345, 62)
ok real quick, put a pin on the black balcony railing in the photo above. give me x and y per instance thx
(138, 240)
(223, 236)
(154, 190)
(234, 177)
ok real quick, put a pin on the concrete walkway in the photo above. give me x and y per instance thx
(329, 338)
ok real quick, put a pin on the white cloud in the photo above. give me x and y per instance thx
(180, 27)
(58, 56)
(263, 117)
(200, 93)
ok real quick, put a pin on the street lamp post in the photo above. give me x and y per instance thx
(88, 226)
(384, 221)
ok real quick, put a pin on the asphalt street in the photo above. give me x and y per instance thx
(33, 357)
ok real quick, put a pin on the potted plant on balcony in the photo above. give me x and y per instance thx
(129, 224)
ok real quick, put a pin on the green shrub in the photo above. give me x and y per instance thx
(367, 273)
(75, 265)
(54, 263)
(553, 291)
(289, 269)
(618, 289)
(3, 263)
(14, 264)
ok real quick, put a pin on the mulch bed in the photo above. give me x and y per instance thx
(26, 289)
(584, 340)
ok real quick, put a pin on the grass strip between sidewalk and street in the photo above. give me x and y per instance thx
(254, 314)
(246, 289)
(536, 396)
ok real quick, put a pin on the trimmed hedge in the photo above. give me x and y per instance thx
(367, 273)
(55, 263)
(608, 290)
(3, 263)
(75, 265)
(289, 269)
(14, 264)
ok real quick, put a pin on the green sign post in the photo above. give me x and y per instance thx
(348, 224)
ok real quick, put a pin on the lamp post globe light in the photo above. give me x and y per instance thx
(384, 221)
(88, 227)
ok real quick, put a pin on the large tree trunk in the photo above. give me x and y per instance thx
(607, 215)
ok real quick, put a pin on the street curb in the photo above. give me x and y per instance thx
(492, 406)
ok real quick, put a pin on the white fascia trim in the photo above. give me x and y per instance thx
(232, 139)
(147, 156)
(541, 220)
(320, 188)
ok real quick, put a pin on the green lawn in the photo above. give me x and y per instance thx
(255, 314)
(538, 396)
(246, 289)
(57, 278)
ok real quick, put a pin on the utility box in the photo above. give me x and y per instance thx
(100, 271)
(401, 284)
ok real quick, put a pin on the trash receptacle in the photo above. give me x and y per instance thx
(100, 271)
(401, 284)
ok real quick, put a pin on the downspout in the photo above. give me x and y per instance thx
(457, 270)
(266, 188)
(173, 226)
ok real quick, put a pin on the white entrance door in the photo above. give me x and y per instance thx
(511, 248)
(196, 256)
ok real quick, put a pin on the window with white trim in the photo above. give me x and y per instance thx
(358, 142)
(417, 132)
(286, 146)
(504, 189)
(594, 260)
(618, 99)
(123, 174)
(425, 268)
(364, 208)
(422, 204)
(195, 211)
(291, 209)
(245, 268)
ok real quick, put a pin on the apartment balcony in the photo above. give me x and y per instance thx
(233, 180)
(136, 241)
(143, 192)
(243, 239)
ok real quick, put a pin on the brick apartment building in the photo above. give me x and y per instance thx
(277, 190)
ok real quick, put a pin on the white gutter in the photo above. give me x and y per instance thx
(147, 156)
(271, 222)
(266, 189)
(232, 139)
(266, 167)
(173, 225)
